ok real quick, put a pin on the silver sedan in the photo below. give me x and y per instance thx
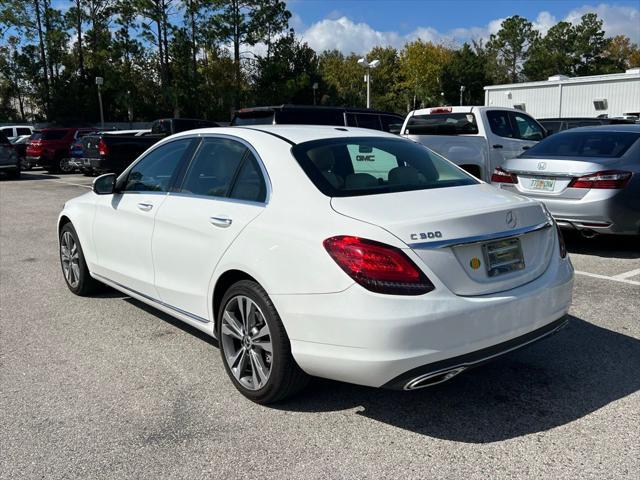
(589, 178)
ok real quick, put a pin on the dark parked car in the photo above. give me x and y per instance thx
(49, 148)
(555, 125)
(9, 162)
(114, 153)
(309, 115)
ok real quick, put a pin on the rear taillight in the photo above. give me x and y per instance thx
(563, 246)
(378, 267)
(502, 176)
(102, 147)
(610, 179)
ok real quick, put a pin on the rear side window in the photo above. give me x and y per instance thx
(24, 131)
(54, 134)
(584, 144)
(345, 167)
(391, 124)
(367, 120)
(213, 167)
(443, 124)
(500, 124)
(249, 184)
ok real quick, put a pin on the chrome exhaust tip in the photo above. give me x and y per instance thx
(588, 233)
(434, 378)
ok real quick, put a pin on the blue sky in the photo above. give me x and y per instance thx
(357, 25)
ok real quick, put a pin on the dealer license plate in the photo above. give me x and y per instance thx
(503, 256)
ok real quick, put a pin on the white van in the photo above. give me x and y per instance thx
(13, 131)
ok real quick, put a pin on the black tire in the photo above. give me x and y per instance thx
(85, 284)
(286, 378)
(14, 174)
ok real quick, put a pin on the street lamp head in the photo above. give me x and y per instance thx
(462, 88)
(363, 62)
(374, 63)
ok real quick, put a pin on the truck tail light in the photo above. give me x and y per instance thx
(502, 176)
(102, 148)
(610, 179)
(377, 267)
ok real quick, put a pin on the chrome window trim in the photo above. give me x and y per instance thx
(219, 199)
(454, 242)
(154, 300)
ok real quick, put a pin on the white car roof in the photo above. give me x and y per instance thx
(296, 133)
(462, 109)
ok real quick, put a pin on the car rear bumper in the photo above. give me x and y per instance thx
(379, 340)
(600, 210)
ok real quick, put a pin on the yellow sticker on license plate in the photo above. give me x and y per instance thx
(545, 185)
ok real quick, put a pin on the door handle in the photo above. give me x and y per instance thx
(497, 145)
(145, 207)
(222, 222)
(526, 147)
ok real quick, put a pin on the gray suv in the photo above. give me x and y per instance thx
(9, 161)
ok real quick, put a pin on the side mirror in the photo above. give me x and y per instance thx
(104, 184)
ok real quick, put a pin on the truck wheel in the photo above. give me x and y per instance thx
(64, 166)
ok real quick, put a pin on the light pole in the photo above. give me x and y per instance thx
(99, 82)
(315, 88)
(369, 66)
(462, 89)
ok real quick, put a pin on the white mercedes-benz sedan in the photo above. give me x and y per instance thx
(335, 252)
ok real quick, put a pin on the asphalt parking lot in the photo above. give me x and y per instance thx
(106, 387)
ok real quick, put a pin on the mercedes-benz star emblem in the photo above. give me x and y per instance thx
(542, 165)
(511, 219)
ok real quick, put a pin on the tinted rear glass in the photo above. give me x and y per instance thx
(256, 117)
(310, 117)
(584, 144)
(53, 134)
(443, 124)
(356, 166)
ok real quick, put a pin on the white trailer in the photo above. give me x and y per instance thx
(613, 95)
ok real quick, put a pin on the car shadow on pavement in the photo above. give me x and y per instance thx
(37, 176)
(609, 246)
(556, 381)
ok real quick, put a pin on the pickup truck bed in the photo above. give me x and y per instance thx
(113, 153)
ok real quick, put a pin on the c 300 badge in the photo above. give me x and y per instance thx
(426, 235)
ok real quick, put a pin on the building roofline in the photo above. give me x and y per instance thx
(631, 74)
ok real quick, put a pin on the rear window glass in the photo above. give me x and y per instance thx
(256, 117)
(310, 117)
(53, 134)
(584, 144)
(443, 124)
(367, 120)
(356, 166)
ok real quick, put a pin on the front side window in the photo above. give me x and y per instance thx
(24, 131)
(527, 128)
(499, 123)
(7, 131)
(584, 144)
(345, 167)
(213, 167)
(154, 172)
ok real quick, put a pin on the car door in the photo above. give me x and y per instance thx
(123, 223)
(501, 137)
(224, 188)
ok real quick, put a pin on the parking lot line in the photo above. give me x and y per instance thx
(629, 274)
(604, 277)
(70, 183)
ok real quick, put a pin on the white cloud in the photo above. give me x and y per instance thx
(347, 36)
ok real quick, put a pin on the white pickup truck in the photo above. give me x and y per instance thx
(478, 139)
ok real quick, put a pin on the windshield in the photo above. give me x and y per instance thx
(584, 144)
(347, 167)
(443, 124)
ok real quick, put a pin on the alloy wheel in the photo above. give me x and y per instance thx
(246, 342)
(70, 257)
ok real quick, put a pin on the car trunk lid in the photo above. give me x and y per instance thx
(551, 177)
(475, 239)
